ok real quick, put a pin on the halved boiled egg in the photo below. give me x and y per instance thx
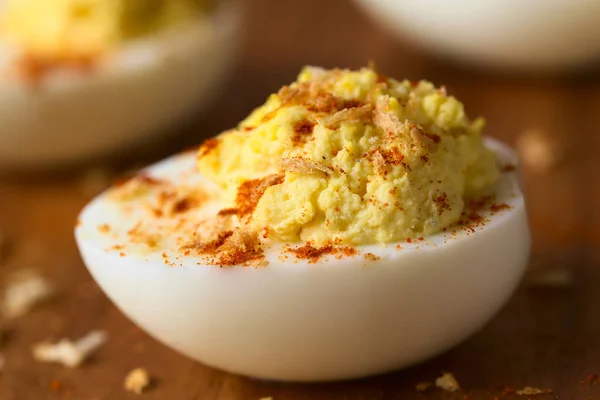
(297, 312)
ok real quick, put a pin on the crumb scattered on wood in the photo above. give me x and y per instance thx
(137, 380)
(24, 290)
(266, 398)
(423, 386)
(531, 391)
(538, 150)
(70, 354)
(447, 382)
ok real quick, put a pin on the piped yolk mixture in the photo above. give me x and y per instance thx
(351, 157)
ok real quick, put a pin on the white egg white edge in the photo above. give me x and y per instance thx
(101, 211)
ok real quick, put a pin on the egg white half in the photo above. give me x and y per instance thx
(295, 320)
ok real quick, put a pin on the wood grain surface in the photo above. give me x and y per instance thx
(548, 336)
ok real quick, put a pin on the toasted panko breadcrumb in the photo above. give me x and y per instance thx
(423, 386)
(302, 166)
(531, 391)
(211, 228)
(447, 382)
(24, 291)
(269, 181)
(70, 354)
(354, 114)
(137, 380)
(242, 239)
(243, 248)
(426, 141)
(386, 121)
(378, 162)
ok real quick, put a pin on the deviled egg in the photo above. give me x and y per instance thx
(81, 78)
(352, 225)
(497, 33)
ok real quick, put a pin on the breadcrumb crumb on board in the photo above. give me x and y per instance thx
(69, 353)
(137, 380)
(447, 382)
(531, 391)
(24, 291)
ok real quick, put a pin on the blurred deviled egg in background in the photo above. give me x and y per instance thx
(502, 34)
(79, 78)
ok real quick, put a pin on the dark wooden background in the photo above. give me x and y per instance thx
(548, 336)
